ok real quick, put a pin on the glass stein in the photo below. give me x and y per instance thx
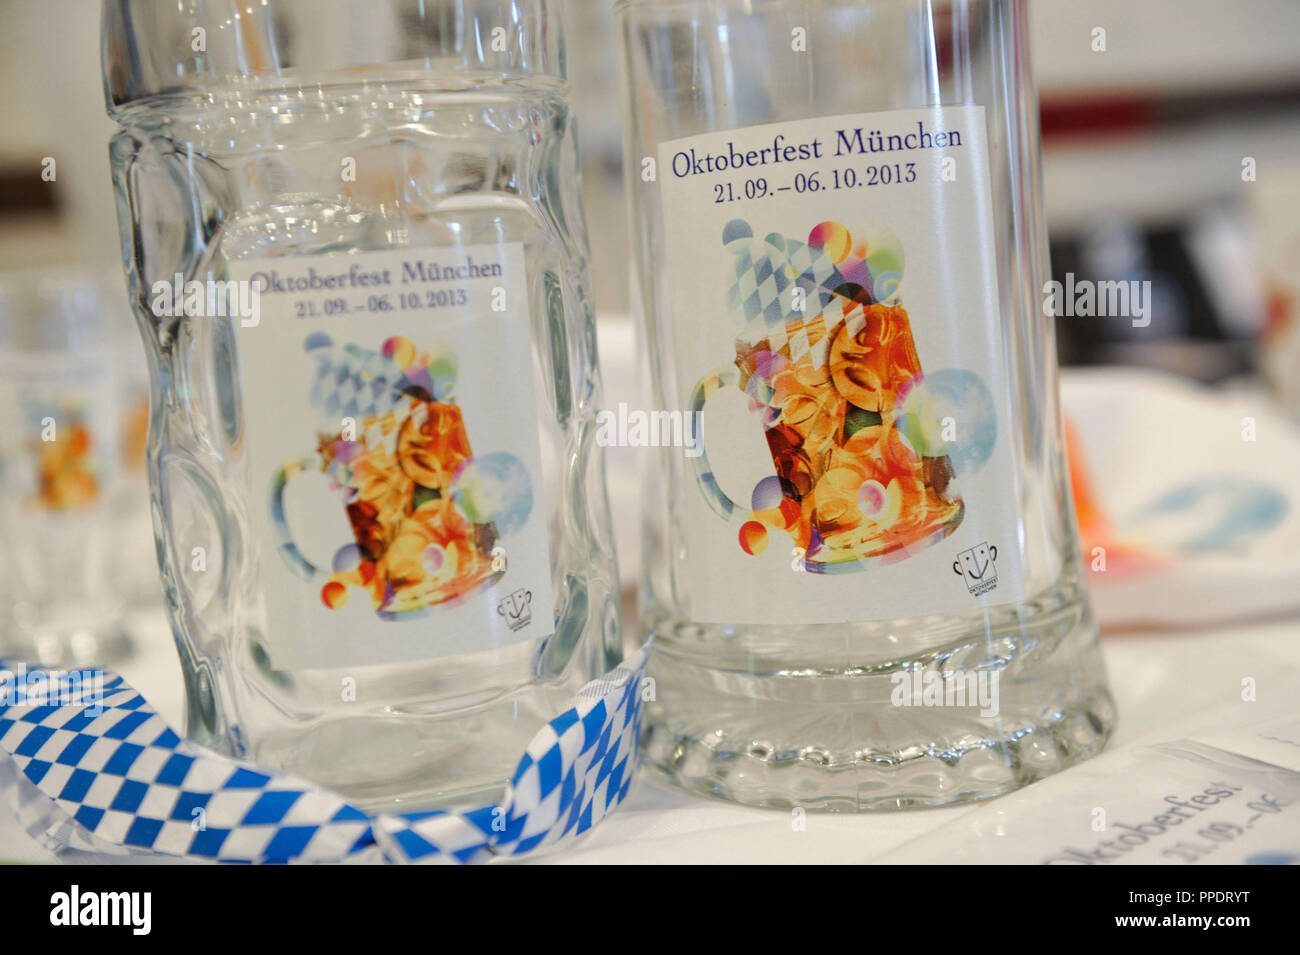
(356, 250)
(864, 577)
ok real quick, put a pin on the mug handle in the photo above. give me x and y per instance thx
(280, 526)
(723, 377)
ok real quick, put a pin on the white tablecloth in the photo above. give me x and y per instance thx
(1168, 686)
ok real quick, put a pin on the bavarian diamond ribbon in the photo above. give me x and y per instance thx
(97, 770)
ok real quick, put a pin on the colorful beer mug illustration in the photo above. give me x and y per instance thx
(426, 515)
(826, 356)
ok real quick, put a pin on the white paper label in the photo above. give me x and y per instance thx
(394, 455)
(833, 284)
(1177, 803)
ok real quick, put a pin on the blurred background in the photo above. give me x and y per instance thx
(1171, 154)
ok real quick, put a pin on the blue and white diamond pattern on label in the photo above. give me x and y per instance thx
(770, 267)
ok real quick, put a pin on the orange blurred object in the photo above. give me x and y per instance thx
(66, 478)
(1103, 551)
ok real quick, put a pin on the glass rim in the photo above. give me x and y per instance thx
(168, 50)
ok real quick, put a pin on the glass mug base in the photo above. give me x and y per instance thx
(881, 734)
(409, 762)
(424, 743)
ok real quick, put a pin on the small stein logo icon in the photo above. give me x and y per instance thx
(517, 609)
(978, 568)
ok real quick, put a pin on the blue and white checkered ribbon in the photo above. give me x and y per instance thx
(105, 774)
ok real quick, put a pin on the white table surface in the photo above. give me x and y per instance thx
(1168, 685)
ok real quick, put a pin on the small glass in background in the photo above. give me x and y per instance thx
(65, 349)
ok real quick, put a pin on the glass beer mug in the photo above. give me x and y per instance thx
(357, 254)
(864, 578)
